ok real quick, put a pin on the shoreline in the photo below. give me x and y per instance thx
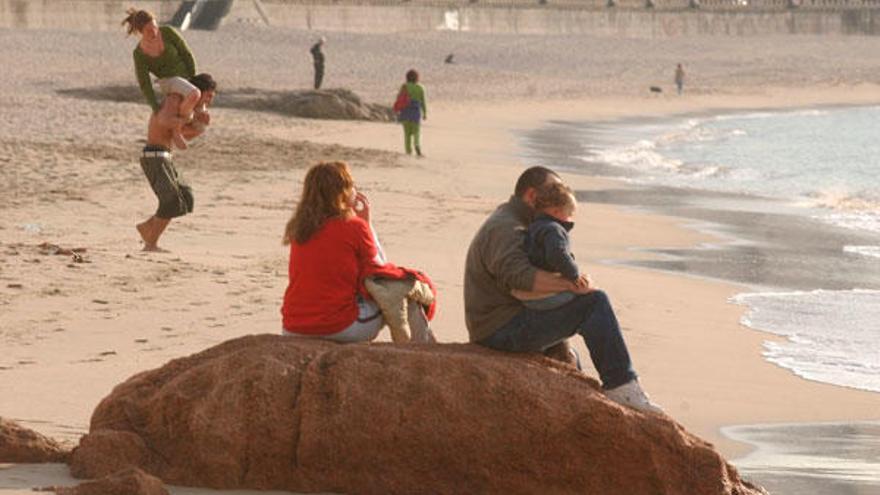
(228, 269)
(728, 445)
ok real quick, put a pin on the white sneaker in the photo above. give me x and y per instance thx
(631, 395)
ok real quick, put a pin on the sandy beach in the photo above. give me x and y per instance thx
(72, 330)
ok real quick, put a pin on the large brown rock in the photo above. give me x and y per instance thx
(274, 412)
(130, 481)
(331, 104)
(21, 445)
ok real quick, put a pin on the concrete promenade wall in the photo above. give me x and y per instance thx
(519, 18)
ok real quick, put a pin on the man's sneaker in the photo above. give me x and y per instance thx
(631, 395)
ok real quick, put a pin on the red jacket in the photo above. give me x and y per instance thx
(326, 274)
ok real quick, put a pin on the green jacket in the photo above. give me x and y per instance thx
(417, 92)
(175, 60)
(496, 264)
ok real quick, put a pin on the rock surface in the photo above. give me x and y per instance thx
(331, 104)
(21, 445)
(130, 481)
(271, 412)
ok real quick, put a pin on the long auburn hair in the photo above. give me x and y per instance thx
(136, 20)
(324, 196)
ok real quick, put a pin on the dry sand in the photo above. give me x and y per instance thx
(69, 176)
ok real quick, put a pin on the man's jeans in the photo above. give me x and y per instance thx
(589, 315)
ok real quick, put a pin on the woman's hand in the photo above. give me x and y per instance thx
(362, 206)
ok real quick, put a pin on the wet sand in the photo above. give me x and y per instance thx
(71, 331)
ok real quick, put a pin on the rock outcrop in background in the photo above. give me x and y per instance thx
(328, 104)
(21, 445)
(270, 412)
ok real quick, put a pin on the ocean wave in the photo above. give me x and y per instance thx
(839, 198)
(830, 336)
(866, 220)
(809, 112)
(696, 132)
(873, 251)
(640, 156)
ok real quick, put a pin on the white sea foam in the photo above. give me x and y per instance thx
(641, 155)
(815, 158)
(831, 336)
(864, 220)
(873, 251)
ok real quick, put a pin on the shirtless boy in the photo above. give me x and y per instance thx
(175, 196)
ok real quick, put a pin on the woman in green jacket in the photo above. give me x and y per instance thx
(163, 53)
(413, 114)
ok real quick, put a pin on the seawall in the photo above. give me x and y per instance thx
(721, 18)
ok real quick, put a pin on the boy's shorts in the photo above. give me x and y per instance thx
(175, 197)
(179, 85)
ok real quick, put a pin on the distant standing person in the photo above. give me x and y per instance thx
(318, 59)
(679, 78)
(412, 114)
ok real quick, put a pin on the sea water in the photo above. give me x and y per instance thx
(825, 162)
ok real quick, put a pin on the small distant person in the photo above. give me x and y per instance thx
(548, 247)
(175, 196)
(163, 53)
(318, 60)
(413, 113)
(450, 59)
(679, 78)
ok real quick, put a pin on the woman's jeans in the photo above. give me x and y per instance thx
(589, 315)
(364, 329)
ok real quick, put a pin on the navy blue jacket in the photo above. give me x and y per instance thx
(547, 246)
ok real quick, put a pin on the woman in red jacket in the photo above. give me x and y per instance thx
(332, 246)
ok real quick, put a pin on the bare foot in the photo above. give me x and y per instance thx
(154, 249)
(143, 230)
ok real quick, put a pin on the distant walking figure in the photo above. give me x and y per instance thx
(318, 59)
(163, 53)
(679, 78)
(411, 110)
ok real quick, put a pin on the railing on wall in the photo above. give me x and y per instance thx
(710, 5)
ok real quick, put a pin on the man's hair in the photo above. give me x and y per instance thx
(533, 177)
(412, 76)
(203, 81)
(554, 195)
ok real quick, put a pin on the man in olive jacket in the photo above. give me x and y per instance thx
(497, 264)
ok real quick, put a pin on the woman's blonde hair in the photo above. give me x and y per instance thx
(324, 196)
(137, 19)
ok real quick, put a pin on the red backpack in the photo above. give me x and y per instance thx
(402, 100)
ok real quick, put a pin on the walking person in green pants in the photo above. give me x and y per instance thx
(413, 113)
